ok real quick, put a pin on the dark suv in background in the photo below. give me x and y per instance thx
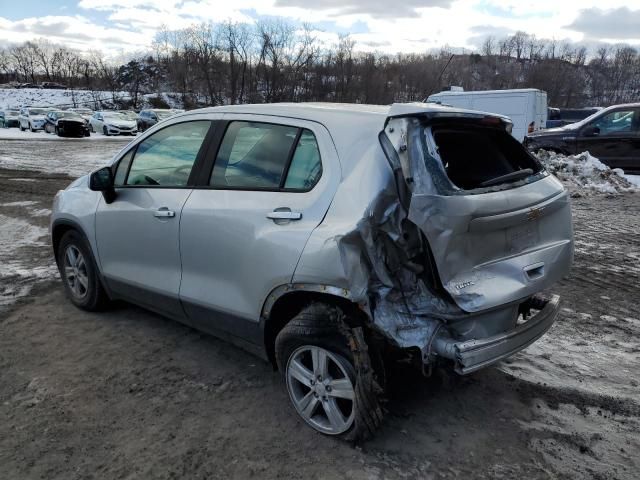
(148, 118)
(612, 135)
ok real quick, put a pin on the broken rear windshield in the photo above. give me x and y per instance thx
(476, 156)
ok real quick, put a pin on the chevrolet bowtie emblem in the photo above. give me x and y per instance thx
(535, 213)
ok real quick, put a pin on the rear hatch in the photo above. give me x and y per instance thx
(498, 225)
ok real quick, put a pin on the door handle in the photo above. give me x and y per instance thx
(282, 214)
(164, 212)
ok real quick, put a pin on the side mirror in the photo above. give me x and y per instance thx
(102, 181)
(591, 131)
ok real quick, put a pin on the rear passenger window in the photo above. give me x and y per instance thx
(264, 156)
(306, 167)
(166, 158)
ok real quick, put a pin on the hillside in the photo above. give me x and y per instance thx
(94, 99)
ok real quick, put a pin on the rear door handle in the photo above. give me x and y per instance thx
(282, 214)
(164, 212)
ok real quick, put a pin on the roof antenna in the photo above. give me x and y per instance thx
(439, 78)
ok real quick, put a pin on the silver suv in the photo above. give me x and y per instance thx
(329, 239)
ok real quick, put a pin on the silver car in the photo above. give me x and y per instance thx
(328, 239)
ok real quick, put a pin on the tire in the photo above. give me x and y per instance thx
(21, 128)
(32, 129)
(88, 294)
(345, 402)
(91, 128)
(105, 132)
(57, 132)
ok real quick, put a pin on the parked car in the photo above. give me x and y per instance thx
(329, 239)
(9, 118)
(112, 123)
(148, 118)
(53, 86)
(32, 118)
(85, 113)
(612, 135)
(559, 117)
(66, 124)
(526, 107)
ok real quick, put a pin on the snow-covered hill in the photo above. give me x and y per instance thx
(16, 98)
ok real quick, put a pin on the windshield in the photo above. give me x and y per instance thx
(581, 123)
(115, 115)
(11, 112)
(37, 111)
(130, 115)
(66, 114)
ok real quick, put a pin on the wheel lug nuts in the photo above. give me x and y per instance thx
(319, 378)
(328, 388)
(313, 382)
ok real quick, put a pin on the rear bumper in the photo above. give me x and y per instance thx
(472, 355)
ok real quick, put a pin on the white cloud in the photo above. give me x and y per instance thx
(413, 25)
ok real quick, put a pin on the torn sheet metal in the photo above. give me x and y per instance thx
(484, 243)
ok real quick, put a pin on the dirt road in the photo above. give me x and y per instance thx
(127, 394)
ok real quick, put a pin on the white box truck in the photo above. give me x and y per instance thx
(527, 107)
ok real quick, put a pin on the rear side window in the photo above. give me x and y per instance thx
(306, 168)
(264, 156)
(166, 158)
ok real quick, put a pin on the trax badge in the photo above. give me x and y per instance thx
(462, 285)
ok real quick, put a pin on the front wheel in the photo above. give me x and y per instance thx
(328, 373)
(79, 273)
(105, 131)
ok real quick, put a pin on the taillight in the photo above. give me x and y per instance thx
(531, 128)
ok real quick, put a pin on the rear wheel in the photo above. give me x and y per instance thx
(328, 373)
(105, 131)
(79, 273)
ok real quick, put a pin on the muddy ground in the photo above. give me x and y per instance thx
(128, 394)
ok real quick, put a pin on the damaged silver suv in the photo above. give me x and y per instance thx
(328, 239)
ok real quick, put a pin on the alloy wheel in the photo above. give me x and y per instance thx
(75, 272)
(321, 389)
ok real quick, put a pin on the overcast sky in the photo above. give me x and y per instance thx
(117, 26)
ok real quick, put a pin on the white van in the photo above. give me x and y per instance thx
(527, 107)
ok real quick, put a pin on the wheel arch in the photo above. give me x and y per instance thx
(286, 301)
(62, 226)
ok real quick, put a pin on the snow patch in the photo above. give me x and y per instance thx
(25, 203)
(17, 272)
(584, 174)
